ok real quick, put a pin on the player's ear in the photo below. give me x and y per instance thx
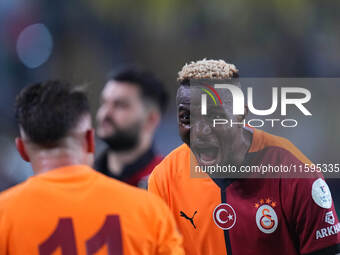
(19, 143)
(90, 143)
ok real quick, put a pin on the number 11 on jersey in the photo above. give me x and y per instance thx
(63, 236)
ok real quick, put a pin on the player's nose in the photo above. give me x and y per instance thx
(201, 129)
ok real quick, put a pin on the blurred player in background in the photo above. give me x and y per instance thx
(132, 103)
(240, 216)
(67, 206)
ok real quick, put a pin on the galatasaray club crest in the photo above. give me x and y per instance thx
(266, 218)
(224, 216)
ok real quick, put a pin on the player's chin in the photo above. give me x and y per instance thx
(207, 156)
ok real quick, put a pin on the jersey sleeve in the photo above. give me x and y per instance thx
(168, 237)
(313, 216)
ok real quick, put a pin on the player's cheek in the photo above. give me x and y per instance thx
(225, 136)
(184, 131)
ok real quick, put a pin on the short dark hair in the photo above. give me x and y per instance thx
(151, 87)
(47, 111)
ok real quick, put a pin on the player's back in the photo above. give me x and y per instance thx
(75, 210)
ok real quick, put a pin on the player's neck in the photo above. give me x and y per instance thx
(43, 162)
(118, 160)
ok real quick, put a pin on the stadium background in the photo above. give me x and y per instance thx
(82, 40)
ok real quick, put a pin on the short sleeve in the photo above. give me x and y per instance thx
(313, 216)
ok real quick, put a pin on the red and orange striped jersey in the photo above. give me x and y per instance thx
(249, 216)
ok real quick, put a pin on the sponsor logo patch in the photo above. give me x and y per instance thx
(321, 194)
(329, 218)
(328, 231)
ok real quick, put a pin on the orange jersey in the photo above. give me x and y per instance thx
(74, 210)
(249, 216)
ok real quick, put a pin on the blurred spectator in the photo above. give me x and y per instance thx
(132, 103)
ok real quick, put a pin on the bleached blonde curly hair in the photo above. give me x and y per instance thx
(207, 69)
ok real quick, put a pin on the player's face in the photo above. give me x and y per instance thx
(210, 145)
(183, 113)
(121, 110)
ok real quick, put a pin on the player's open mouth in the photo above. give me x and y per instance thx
(207, 155)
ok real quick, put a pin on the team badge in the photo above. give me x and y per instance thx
(329, 218)
(224, 216)
(321, 194)
(266, 217)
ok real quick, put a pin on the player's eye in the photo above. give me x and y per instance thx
(122, 105)
(184, 117)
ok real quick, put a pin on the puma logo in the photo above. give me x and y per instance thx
(182, 214)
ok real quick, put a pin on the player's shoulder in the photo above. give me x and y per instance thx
(126, 192)
(11, 197)
(179, 155)
(269, 143)
(181, 151)
(307, 189)
(175, 161)
(314, 181)
(143, 202)
(262, 140)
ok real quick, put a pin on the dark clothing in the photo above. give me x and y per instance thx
(136, 173)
